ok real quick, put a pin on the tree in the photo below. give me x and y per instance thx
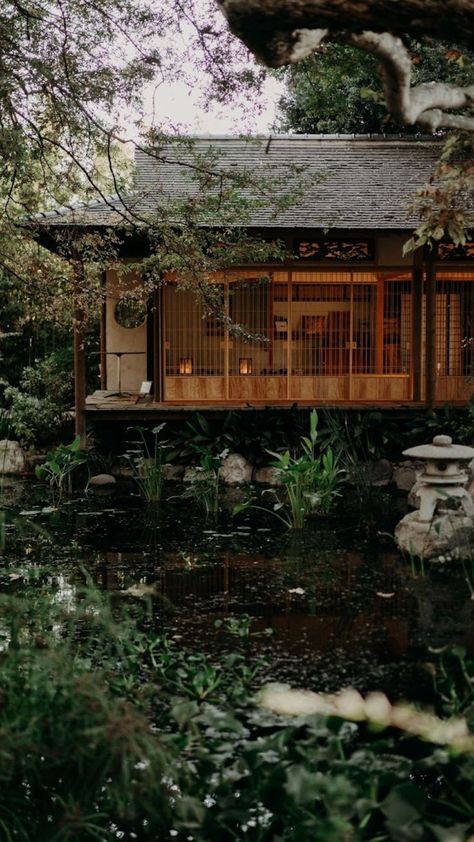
(337, 88)
(283, 32)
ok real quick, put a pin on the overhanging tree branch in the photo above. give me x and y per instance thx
(283, 32)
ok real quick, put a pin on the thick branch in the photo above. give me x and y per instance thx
(273, 29)
(425, 105)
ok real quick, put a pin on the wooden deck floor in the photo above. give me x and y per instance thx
(111, 405)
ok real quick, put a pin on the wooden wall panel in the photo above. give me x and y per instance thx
(381, 388)
(319, 388)
(451, 388)
(194, 389)
(257, 388)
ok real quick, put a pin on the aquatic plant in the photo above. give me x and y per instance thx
(111, 731)
(311, 481)
(204, 489)
(147, 462)
(60, 464)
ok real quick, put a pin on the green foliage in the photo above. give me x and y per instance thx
(41, 405)
(252, 434)
(204, 489)
(60, 465)
(147, 462)
(361, 436)
(109, 730)
(337, 89)
(311, 481)
(329, 93)
(457, 422)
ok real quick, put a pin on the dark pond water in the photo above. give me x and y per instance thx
(343, 606)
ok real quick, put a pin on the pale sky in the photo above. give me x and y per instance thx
(181, 107)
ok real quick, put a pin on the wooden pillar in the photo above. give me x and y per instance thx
(379, 364)
(430, 327)
(103, 332)
(416, 325)
(79, 356)
(158, 334)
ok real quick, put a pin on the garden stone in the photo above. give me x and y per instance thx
(123, 471)
(12, 458)
(404, 475)
(173, 473)
(235, 470)
(268, 476)
(102, 479)
(449, 535)
(414, 495)
(380, 472)
(196, 474)
(470, 473)
(377, 473)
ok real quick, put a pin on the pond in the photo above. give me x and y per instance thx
(329, 606)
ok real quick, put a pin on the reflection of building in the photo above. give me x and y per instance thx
(343, 316)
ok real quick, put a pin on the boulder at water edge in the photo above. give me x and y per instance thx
(235, 470)
(449, 534)
(12, 458)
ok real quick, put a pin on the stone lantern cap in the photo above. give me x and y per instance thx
(442, 448)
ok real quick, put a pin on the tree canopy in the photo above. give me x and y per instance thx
(337, 89)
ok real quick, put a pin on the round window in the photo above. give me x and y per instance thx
(129, 312)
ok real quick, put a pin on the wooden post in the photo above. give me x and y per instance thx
(379, 365)
(430, 327)
(416, 325)
(79, 358)
(103, 332)
(158, 352)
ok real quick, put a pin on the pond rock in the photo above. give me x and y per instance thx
(268, 476)
(102, 479)
(197, 474)
(450, 535)
(470, 473)
(235, 470)
(378, 473)
(404, 475)
(172, 473)
(12, 458)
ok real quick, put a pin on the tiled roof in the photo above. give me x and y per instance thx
(351, 182)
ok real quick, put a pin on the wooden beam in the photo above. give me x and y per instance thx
(416, 324)
(79, 357)
(430, 327)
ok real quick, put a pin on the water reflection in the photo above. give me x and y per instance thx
(342, 611)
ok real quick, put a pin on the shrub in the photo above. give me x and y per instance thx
(40, 406)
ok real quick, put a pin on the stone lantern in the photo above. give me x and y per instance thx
(443, 476)
(444, 533)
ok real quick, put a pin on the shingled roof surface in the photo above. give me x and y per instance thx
(354, 182)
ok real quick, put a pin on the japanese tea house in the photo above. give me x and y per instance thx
(349, 320)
